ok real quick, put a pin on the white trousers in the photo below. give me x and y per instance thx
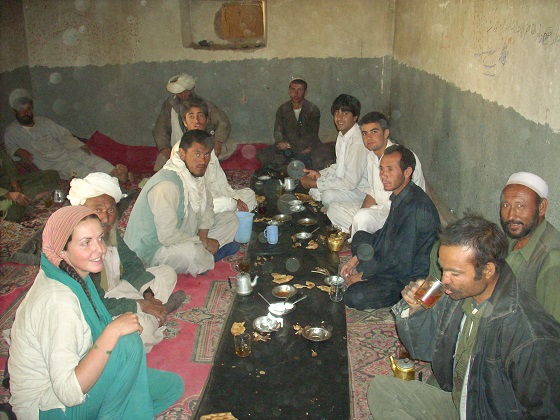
(345, 215)
(191, 257)
(162, 285)
(327, 197)
(246, 195)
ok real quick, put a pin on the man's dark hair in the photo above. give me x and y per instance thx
(407, 157)
(299, 82)
(346, 103)
(486, 239)
(193, 102)
(195, 136)
(375, 117)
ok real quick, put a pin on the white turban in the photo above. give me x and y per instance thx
(180, 83)
(19, 97)
(529, 180)
(93, 185)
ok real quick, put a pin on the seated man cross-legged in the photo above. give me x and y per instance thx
(385, 261)
(173, 221)
(123, 284)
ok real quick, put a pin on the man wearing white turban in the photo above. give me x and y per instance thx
(169, 127)
(41, 142)
(534, 251)
(124, 285)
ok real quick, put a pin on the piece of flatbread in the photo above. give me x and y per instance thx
(324, 288)
(312, 245)
(218, 416)
(281, 278)
(238, 328)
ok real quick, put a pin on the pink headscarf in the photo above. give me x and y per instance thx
(58, 229)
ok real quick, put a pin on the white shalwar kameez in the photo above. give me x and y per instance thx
(371, 219)
(224, 197)
(344, 180)
(54, 147)
(162, 286)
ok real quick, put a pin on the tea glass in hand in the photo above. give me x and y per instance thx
(429, 292)
(243, 265)
(242, 344)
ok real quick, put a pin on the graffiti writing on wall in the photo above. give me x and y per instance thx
(538, 32)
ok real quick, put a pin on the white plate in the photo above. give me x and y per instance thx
(264, 178)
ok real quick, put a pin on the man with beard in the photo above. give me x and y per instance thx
(124, 285)
(173, 221)
(40, 142)
(169, 129)
(534, 249)
(493, 348)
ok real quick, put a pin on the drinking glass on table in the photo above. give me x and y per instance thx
(242, 344)
(243, 265)
(429, 292)
(262, 208)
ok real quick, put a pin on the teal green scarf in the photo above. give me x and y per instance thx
(97, 325)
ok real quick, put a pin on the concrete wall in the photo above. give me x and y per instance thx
(104, 64)
(472, 86)
(475, 90)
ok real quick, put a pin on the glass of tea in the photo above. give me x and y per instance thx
(262, 208)
(242, 344)
(243, 265)
(429, 292)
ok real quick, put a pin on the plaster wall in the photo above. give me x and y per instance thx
(104, 64)
(475, 91)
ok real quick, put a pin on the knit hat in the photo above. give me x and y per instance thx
(180, 83)
(93, 185)
(529, 180)
(58, 229)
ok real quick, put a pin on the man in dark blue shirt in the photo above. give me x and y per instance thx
(384, 262)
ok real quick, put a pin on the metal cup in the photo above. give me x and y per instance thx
(59, 196)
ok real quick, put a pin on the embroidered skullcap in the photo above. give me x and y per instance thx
(93, 185)
(180, 83)
(19, 97)
(58, 229)
(529, 180)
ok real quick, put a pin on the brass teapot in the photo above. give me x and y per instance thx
(403, 368)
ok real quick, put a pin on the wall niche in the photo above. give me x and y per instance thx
(223, 25)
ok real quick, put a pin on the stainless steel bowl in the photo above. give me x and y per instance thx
(295, 202)
(303, 235)
(266, 324)
(333, 280)
(307, 221)
(284, 291)
(316, 333)
(282, 218)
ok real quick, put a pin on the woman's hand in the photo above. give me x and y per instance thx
(125, 324)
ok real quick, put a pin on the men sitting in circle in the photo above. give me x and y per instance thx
(19, 191)
(195, 117)
(373, 211)
(123, 284)
(68, 357)
(173, 221)
(494, 350)
(534, 251)
(296, 133)
(169, 127)
(343, 180)
(384, 262)
(40, 142)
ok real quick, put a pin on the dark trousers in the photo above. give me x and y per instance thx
(374, 293)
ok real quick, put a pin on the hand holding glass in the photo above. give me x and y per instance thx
(429, 292)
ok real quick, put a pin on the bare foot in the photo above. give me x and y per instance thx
(121, 172)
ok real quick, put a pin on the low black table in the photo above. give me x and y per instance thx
(287, 377)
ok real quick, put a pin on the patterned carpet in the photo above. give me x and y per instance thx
(193, 331)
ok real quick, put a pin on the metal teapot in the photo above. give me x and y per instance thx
(403, 368)
(244, 285)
